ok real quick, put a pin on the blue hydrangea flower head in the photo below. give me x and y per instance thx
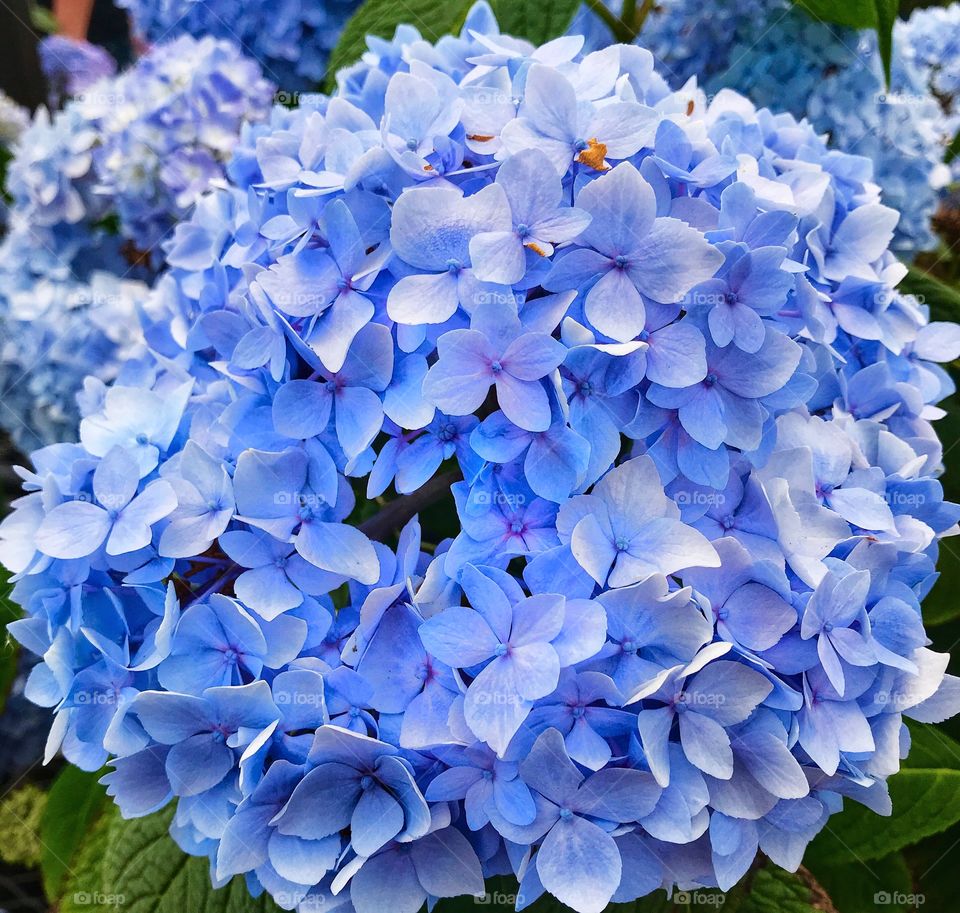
(72, 65)
(529, 470)
(291, 40)
(831, 76)
(95, 188)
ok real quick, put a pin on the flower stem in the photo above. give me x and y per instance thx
(616, 25)
(641, 17)
(396, 513)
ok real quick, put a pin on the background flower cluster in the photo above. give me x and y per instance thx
(649, 348)
(779, 56)
(95, 188)
(292, 39)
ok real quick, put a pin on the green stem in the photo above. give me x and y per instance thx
(396, 513)
(641, 17)
(617, 28)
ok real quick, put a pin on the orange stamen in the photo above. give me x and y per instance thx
(594, 155)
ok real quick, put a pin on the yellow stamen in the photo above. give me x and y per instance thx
(480, 137)
(536, 248)
(594, 155)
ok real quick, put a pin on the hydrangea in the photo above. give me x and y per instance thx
(930, 40)
(63, 339)
(167, 126)
(71, 66)
(930, 37)
(95, 188)
(291, 40)
(781, 57)
(13, 121)
(509, 493)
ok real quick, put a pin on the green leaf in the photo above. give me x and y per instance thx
(859, 14)
(20, 814)
(146, 872)
(43, 20)
(953, 150)
(770, 889)
(766, 889)
(381, 17)
(83, 889)
(886, 18)
(943, 300)
(76, 799)
(884, 884)
(924, 803)
(932, 748)
(943, 604)
(537, 22)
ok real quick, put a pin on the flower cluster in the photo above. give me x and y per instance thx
(95, 188)
(930, 40)
(71, 66)
(13, 121)
(779, 56)
(648, 353)
(291, 39)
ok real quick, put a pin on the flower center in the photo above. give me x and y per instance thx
(447, 432)
(593, 154)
